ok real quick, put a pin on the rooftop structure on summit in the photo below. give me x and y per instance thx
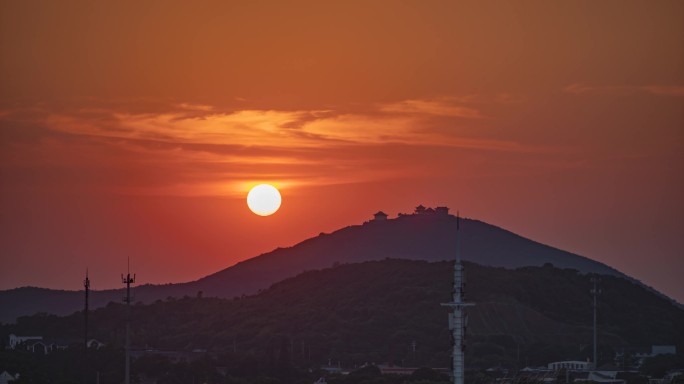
(422, 210)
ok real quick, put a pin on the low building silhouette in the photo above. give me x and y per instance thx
(15, 341)
(573, 365)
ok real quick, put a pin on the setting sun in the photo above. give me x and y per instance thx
(263, 199)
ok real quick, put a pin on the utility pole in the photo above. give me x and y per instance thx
(128, 280)
(595, 291)
(458, 320)
(86, 286)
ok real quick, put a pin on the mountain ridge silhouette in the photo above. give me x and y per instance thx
(429, 237)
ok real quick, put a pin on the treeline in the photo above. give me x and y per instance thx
(376, 312)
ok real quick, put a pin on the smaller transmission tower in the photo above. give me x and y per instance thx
(458, 320)
(128, 280)
(595, 292)
(86, 287)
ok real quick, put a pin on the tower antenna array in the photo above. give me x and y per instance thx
(128, 280)
(458, 320)
(86, 287)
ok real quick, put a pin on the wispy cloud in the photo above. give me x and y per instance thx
(431, 108)
(200, 150)
(664, 90)
(404, 122)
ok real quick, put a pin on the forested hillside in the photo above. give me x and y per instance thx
(373, 311)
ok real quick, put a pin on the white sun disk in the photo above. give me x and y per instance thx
(263, 199)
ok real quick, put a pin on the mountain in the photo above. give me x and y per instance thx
(429, 237)
(374, 311)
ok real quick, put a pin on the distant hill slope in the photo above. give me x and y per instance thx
(413, 237)
(429, 237)
(373, 311)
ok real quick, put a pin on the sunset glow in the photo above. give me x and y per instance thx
(137, 131)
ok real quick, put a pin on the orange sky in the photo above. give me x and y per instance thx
(135, 129)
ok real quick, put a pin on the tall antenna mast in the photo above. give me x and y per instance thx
(127, 299)
(458, 320)
(595, 291)
(86, 286)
